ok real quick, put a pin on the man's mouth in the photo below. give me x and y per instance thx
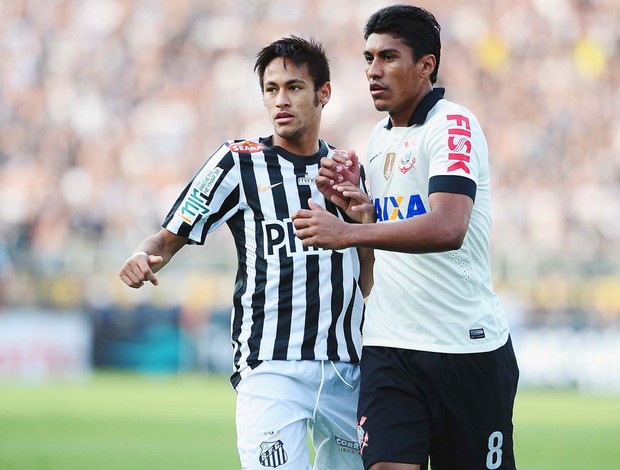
(284, 118)
(376, 89)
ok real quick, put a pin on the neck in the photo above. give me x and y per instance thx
(304, 146)
(400, 118)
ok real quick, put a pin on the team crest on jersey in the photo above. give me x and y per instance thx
(407, 161)
(388, 165)
(246, 146)
(362, 435)
(272, 454)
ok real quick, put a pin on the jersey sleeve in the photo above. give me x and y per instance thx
(457, 148)
(209, 200)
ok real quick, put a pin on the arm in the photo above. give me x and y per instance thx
(443, 228)
(367, 263)
(150, 256)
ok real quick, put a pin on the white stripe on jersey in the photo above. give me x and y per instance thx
(291, 302)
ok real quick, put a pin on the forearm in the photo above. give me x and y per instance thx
(367, 261)
(164, 244)
(422, 234)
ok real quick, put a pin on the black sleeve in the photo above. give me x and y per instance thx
(452, 184)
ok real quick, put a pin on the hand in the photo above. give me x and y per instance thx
(338, 169)
(318, 227)
(137, 269)
(354, 202)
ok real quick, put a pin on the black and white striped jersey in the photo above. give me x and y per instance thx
(290, 302)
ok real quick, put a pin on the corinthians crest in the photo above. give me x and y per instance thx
(407, 161)
(272, 454)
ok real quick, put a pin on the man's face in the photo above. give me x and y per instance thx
(289, 96)
(396, 81)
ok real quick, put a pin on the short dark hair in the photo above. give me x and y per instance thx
(301, 51)
(416, 26)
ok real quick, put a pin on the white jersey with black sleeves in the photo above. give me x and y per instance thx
(438, 302)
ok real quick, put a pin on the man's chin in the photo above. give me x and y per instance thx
(289, 134)
(381, 105)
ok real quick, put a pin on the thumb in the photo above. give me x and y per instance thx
(155, 259)
(314, 206)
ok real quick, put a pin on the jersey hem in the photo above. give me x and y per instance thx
(438, 348)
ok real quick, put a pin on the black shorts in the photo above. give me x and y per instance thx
(454, 408)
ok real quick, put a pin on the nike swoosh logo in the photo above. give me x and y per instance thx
(373, 157)
(262, 189)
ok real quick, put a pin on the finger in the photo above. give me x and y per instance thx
(345, 185)
(150, 276)
(340, 157)
(327, 163)
(362, 208)
(300, 224)
(302, 234)
(353, 159)
(147, 272)
(302, 214)
(340, 202)
(130, 279)
(325, 179)
(136, 277)
(358, 196)
(314, 206)
(328, 166)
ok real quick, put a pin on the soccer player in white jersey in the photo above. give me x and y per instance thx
(439, 375)
(297, 314)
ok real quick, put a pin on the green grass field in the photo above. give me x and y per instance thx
(117, 421)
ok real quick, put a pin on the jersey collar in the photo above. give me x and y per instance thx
(423, 108)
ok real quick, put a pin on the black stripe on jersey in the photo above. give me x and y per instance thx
(285, 286)
(313, 308)
(313, 301)
(227, 163)
(230, 202)
(248, 180)
(337, 302)
(348, 334)
(453, 184)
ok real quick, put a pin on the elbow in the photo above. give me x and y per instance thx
(452, 239)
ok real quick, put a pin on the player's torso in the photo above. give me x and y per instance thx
(290, 301)
(434, 301)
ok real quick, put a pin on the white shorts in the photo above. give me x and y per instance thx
(280, 402)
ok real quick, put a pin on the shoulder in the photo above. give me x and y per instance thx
(446, 110)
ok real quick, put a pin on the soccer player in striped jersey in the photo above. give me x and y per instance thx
(439, 375)
(297, 311)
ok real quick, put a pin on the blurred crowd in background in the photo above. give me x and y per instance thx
(108, 107)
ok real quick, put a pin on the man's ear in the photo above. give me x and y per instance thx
(325, 93)
(428, 63)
